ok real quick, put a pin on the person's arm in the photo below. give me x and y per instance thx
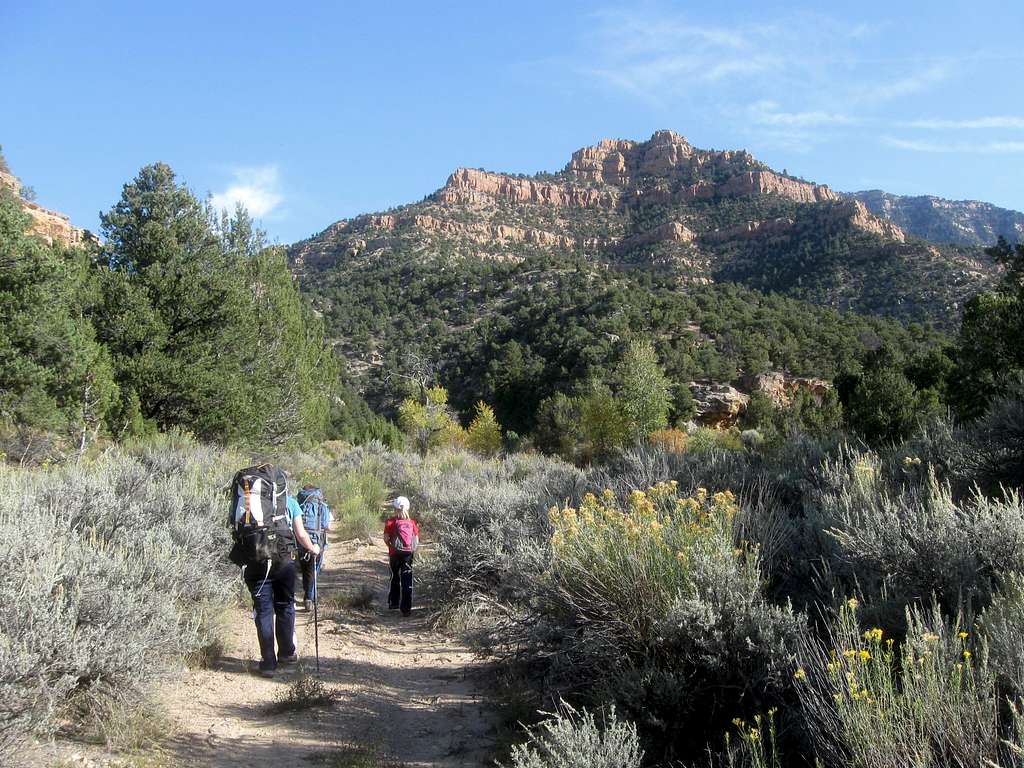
(303, 537)
(388, 526)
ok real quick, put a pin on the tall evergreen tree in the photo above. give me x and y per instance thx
(204, 322)
(53, 373)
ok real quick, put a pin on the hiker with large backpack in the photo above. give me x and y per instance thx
(316, 519)
(266, 528)
(402, 535)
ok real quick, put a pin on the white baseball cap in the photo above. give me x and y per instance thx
(400, 502)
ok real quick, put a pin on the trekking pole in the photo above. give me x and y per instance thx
(316, 626)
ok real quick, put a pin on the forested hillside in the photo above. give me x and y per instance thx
(516, 288)
(664, 207)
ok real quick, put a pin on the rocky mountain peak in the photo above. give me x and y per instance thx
(618, 162)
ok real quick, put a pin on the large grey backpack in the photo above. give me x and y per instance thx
(258, 516)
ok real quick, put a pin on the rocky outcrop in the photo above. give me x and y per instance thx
(781, 388)
(669, 232)
(748, 230)
(963, 222)
(51, 226)
(480, 233)
(856, 214)
(467, 185)
(719, 406)
(768, 183)
(605, 162)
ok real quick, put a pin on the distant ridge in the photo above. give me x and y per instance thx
(961, 222)
(667, 207)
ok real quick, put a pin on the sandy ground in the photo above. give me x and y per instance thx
(405, 691)
(407, 696)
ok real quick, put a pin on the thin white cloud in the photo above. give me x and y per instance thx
(654, 55)
(915, 82)
(257, 188)
(769, 113)
(957, 147)
(977, 123)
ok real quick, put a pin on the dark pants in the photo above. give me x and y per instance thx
(307, 565)
(273, 595)
(400, 594)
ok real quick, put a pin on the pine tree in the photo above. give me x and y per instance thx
(204, 323)
(53, 373)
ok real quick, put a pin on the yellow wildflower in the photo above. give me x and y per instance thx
(849, 653)
(800, 674)
(874, 635)
(967, 655)
(853, 604)
(930, 637)
(962, 635)
(865, 655)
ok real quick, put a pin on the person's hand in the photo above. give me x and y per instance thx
(316, 550)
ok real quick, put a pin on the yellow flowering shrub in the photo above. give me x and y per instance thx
(627, 563)
(887, 704)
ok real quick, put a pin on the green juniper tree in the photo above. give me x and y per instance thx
(990, 349)
(204, 324)
(53, 373)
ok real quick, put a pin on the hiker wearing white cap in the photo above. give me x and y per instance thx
(402, 535)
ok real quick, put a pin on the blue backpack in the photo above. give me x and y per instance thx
(316, 515)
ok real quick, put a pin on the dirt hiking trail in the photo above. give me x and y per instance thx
(406, 695)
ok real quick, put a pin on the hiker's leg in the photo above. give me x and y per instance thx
(284, 607)
(406, 579)
(262, 590)
(393, 592)
(307, 566)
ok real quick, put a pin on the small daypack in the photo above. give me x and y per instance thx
(258, 517)
(404, 538)
(315, 513)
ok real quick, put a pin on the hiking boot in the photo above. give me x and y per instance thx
(288, 659)
(406, 613)
(392, 607)
(307, 605)
(268, 673)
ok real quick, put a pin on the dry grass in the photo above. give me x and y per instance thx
(354, 757)
(307, 692)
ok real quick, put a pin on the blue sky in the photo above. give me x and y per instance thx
(333, 109)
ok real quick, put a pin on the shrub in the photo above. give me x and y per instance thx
(558, 429)
(358, 497)
(305, 693)
(1002, 626)
(571, 739)
(915, 542)
(669, 440)
(488, 518)
(928, 702)
(620, 570)
(484, 433)
(660, 607)
(121, 570)
(704, 439)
